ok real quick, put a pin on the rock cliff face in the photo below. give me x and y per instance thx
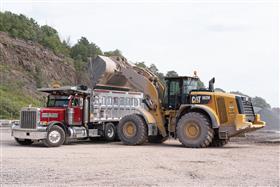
(26, 66)
(32, 65)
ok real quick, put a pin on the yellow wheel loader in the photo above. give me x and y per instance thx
(178, 108)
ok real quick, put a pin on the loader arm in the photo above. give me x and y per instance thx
(144, 81)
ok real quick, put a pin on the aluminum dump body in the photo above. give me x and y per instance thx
(112, 105)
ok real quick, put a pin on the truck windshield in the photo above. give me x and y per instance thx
(57, 102)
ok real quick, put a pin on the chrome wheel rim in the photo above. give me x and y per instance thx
(54, 137)
(110, 132)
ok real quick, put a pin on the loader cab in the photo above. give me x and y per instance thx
(178, 89)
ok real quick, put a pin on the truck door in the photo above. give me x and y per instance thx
(77, 108)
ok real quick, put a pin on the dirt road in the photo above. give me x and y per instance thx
(108, 164)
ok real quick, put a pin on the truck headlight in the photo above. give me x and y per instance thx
(43, 123)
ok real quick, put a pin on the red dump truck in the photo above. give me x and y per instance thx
(76, 112)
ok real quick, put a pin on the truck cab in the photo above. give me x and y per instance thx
(64, 117)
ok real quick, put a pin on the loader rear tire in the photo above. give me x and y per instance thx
(157, 139)
(132, 130)
(194, 130)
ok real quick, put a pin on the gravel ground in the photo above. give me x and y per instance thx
(241, 162)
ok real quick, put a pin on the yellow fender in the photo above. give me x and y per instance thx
(211, 113)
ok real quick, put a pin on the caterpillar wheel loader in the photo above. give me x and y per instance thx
(179, 108)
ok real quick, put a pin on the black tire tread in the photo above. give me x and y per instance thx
(48, 144)
(210, 132)
(141, 134)
(105, 132)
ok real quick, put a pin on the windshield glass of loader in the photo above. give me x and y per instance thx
(190, 84)
(57, 101)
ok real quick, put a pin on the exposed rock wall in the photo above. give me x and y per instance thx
(29, 65)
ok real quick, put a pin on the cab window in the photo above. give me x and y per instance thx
(174, 88)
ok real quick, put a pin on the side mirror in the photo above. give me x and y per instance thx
(45, 100)
(211, 84)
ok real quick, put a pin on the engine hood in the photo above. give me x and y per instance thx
(52, 114)
(222, 94)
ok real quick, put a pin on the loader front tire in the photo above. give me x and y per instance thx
(132, 130)
(194, 130)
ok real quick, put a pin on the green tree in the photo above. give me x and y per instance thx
(116, 52)
(19, 26)
(260, 102)
(141, 64)
(49, 38)
(172, 73)
(83, 49)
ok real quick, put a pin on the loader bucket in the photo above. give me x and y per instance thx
(104, 70)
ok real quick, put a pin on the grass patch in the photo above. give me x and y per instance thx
(12, 100)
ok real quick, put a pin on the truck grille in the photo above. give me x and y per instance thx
(245, 107)
(28, 119)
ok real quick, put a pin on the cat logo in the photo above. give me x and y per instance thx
(200, 99)
(196, 99)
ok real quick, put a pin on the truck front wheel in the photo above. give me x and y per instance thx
(24, 141)
(55, 137)
(132, 130)
(193, 130)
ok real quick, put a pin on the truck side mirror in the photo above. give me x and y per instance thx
(45, 100)
(211, 84)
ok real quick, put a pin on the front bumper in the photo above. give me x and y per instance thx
(33, 134)
(242, 126)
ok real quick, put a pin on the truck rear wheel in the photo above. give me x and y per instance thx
(55, 137)
(193, 130)
(132, 130)
(24, 141)
(110, 132)
(157, 139)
